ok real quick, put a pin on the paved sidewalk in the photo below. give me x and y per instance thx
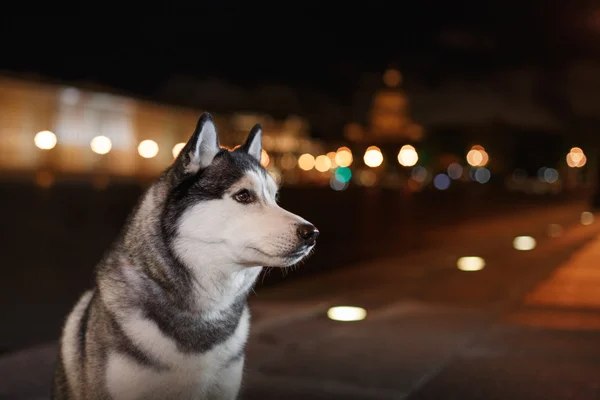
(547, 348)
(525, 327)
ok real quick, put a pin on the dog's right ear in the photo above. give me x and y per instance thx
(200, 150)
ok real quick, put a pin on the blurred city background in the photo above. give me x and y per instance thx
(448, 154)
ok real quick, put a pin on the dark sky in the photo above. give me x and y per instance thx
(326, 46)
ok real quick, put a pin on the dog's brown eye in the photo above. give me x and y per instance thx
(244, 196)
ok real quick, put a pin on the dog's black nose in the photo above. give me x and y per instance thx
(308, 233)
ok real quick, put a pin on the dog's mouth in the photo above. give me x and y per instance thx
(290, 258)
(299, 253)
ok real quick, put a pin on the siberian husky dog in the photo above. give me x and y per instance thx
(167, 317)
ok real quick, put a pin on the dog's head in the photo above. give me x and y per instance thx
(222, 206)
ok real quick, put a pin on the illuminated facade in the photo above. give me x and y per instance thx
(89, 133)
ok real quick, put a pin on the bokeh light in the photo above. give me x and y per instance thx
(524, 243)
(343, 157)
(441, 181)
(322, 163)
(337, 184)
(331, 155)
(392, 77)
(419, 174)
(177, 149)
(306, 162)
(455, 171)
(45, 140)
(346, 313)
(576, 158)
(148, 148)
(408, 156)
(264, 158)
(101, 145)
(554, 230)
(367, 178)
(343, 174)
(373, 157)
(288, 161)
(587, 218)
(482, 175)
(470, 264)
(477, 156)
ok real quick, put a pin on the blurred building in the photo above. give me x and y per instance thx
(74, 132)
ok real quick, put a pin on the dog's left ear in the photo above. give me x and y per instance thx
(253, 145)
(202, 147)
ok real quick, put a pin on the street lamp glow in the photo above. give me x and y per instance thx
(576, 158)
(177, 149)
(306, 162)
(101, 145)
(408, 156)
(524, 243)
(346, 313)
(322, 163)
(477, 156)
(373, 157)
(343, 157)
(470, 264)
(148, 148)
(45, 140)
(264, 158)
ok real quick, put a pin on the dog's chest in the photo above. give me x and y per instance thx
(178, 374)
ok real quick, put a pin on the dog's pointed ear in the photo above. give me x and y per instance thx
(253, 145)
(202, 147)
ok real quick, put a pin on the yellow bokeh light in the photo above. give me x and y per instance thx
(346, 313)
(45, 140)
(101, 145)
(264, 158)
(373, 157)
(576, 158)
(331, 155)
(392, 77)
(177, 149)
(474, 157)
(343, 157)
(44, 178)
(470, 264)
(288, 161)
(478, 147)
(306, 162)
(148, 148)
(408, 156)
(322, 163)
(367, 178)
(485, 158)
(576, 150)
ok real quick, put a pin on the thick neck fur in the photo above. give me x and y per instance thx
(142, 262)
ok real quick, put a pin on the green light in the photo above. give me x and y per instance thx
(343, 174)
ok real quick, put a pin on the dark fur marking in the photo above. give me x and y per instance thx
(192, 333)
(126, 346)
(236, 357)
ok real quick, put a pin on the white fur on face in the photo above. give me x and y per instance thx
(224, 231)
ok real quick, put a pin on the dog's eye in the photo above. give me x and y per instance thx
(244, 196)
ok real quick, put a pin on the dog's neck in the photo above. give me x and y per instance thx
(202, 281)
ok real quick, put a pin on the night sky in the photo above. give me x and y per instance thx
(325, 47)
